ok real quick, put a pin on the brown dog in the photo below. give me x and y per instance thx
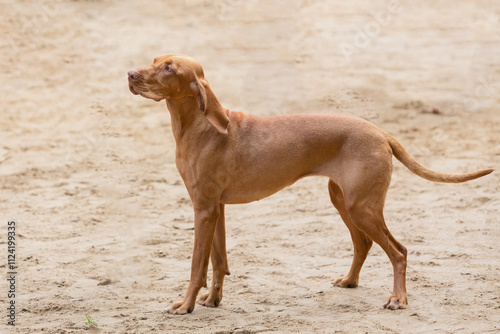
(232, 157)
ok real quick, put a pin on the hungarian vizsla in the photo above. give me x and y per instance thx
(229, 157)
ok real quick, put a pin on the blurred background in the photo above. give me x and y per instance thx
(88, 171)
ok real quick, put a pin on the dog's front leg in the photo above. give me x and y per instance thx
(205, 219)
(219, 264)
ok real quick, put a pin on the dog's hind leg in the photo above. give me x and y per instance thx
(361, 242)
(364, 195)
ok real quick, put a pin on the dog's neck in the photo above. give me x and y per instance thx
(184, 115)
(187, 117)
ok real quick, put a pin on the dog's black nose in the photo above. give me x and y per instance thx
(133, 75)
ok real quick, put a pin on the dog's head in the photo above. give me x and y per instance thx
(171, 76)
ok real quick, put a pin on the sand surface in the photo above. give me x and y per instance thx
(87, 169)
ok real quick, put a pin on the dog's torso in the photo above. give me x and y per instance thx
(261, 155)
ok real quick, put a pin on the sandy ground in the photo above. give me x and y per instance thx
(87, 169)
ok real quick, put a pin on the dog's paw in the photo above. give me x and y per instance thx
(180, 307)
(345, 282)
(394, 303)
(209, 299)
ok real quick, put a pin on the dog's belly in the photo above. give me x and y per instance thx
(256, 182)
(241, 194)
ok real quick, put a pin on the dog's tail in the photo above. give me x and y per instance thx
(403, 156)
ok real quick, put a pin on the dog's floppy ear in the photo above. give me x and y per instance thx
(200, 93)
(213, 113)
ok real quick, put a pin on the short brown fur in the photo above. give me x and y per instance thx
(233, 157)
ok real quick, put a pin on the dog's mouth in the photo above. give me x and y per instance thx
(138, 89)
(144, 92)
(132, 90)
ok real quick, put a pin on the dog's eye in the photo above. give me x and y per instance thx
(168, 69)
